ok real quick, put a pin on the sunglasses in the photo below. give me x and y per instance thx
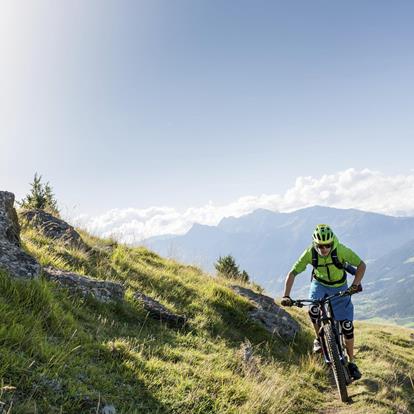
(324, 246)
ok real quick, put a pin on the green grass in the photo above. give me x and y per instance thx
(406, 322)
(71, 355)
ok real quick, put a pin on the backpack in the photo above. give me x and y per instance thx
(347, 268)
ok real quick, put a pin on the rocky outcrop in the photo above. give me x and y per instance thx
(101, 290)
(158, 311)
(269, 315)
(12, 258)
(54, 228)
(108, 291)
(19, 264)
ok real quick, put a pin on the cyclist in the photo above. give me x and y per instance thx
(328, 258)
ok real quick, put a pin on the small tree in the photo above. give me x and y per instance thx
(51, 202)
(40, 196)
(226, 267)
(244, 276)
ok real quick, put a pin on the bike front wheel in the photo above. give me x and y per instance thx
(336, 364)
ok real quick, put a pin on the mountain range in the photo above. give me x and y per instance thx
(267, 243)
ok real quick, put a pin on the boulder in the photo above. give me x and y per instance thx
(12, 258)
(54, 228)
(269, 315)
(101, 290)
(158, 311)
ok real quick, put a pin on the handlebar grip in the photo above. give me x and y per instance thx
(359, 289)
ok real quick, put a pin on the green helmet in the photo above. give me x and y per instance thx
(323, 234)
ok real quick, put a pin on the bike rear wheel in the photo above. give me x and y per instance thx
(336, 364)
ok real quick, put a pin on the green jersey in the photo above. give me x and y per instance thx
(326, 270)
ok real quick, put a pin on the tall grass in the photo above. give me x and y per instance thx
(74, 355)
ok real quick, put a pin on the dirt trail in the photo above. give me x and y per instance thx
(356, 392)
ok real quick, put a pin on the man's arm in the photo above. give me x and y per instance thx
(359, 273)
(286, 300)
(290, 278)
(351, 257)
(298, 267)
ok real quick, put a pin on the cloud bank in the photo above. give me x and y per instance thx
(364, 189)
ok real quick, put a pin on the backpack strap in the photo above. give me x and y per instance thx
(334, 256)
(346, 266)
(335, 260)
(314, 258)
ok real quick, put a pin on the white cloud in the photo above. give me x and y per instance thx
(365, 190)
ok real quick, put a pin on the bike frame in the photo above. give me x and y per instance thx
(326, 316)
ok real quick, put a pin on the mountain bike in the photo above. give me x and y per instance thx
(332, 340)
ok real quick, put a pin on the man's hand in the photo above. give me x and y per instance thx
(286, 301)
(354, 289)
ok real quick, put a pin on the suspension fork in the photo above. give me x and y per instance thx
(337, 332)
(324, 319)
(323, 345)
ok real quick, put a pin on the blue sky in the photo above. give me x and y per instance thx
(178, 104)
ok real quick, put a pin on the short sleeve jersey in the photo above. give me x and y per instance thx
(326, 270)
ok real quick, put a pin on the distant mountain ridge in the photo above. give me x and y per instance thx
(266, 243)
(389, 286)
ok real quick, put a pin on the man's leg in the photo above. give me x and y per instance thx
(348, 331)
(314, 314)
(349, 343)
(316, 327)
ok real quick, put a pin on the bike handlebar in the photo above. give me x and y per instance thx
(301, 302)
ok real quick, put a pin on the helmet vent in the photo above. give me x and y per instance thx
(323, 234)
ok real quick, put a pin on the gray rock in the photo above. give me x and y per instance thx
(51, 383)
(101, 290)
(246, 350)
(54, 228)
(12, 258)
(158, 311)
(250, 362)
(269, 315)
(108, 409)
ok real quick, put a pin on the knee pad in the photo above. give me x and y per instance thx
(347, 329)
(313, 313)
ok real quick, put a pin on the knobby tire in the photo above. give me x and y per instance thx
(336, 364)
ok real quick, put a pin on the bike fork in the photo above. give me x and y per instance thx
(325, 353)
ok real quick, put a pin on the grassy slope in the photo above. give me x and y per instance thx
(63, 354)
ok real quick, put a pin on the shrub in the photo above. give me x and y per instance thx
(226, 267)
(41, 196)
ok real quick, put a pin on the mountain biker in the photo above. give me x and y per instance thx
(328, 256)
